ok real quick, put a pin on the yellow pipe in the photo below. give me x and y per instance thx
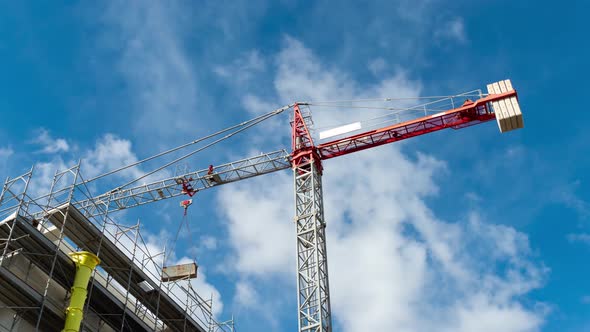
(85, 264)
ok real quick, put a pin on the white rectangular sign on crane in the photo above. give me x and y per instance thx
(340, 130)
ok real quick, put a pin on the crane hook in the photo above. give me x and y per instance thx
(185, 204)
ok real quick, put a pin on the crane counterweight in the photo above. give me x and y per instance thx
(507, 110)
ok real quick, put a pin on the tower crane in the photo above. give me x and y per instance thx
(306, 160)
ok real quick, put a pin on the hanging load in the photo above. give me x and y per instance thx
(177, 272)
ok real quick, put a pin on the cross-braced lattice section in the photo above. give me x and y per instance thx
(312, 263)
(189, 183)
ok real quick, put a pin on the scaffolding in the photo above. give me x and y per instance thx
(126, 292)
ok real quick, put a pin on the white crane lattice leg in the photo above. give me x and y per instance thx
(312, 265)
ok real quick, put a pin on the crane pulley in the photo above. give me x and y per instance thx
(187, 187)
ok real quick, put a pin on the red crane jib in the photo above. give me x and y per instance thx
(469, 114)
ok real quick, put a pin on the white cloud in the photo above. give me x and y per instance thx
(158, 74)
(259, 234)
(245, 294)
(479, 314)
(6, 152)
(454, 30)
(300, 77)
(567, 195)
(209, 242)
(51, 145)
(256, 105)
(44, 173)
(473, 197)
(378, 65)
(393, 264)
(242, 69)
(110, 152)
(206, 245)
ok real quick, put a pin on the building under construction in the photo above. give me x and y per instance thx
(126, 292)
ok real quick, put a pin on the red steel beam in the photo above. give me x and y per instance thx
(469, 114)
(303, 149)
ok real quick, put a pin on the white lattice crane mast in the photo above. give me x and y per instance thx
(314, 312)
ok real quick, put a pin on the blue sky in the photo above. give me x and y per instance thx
(469, 228)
